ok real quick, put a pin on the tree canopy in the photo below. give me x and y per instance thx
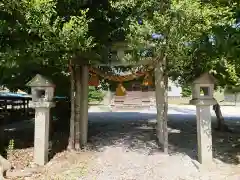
(185, 32)
(41, 36)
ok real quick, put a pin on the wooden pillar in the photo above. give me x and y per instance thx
(78, 80)
(84, 106)
(161, 84)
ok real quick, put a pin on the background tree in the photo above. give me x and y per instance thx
(51, 36)
(37, 37)
(171, 30)
(216, 52)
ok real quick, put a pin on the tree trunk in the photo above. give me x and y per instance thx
(78, 107)
(84, 106)
(165, 115)
(161, 82)
(221, 126)
(71, 141)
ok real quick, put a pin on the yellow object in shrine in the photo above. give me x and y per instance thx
(93, 80)
(120, 91)
(148, 80)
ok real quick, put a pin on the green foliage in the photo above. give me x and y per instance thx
(186, 91)
(216, 51)
(95, 94)
(179, 22)
(187, 36)
(39, 39)
(10, 148)
(41, 36)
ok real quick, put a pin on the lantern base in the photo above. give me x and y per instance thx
(203, 102)
(37, 104)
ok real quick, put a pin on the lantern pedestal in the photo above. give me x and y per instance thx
(204, 131)
(41, 132)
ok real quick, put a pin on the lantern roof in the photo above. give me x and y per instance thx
(205, 78)
(40, 81)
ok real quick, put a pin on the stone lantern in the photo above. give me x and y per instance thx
(202, 98)
(42, 100)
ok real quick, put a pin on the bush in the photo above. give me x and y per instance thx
(95, 94)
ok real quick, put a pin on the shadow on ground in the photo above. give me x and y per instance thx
(136, 132)
(23, 135)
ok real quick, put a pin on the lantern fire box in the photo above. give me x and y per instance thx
(42, 89)
(203, 89)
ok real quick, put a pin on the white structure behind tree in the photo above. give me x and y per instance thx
(174, 90)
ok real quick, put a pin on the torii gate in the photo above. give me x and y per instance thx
(161, 84)
(161, 102)
(202, 103)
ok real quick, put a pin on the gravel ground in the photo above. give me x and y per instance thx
(122, 146)
(118, 164)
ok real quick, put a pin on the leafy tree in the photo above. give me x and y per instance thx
(171, 29)
(217, 52)
(50, 37)
(37, 36)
